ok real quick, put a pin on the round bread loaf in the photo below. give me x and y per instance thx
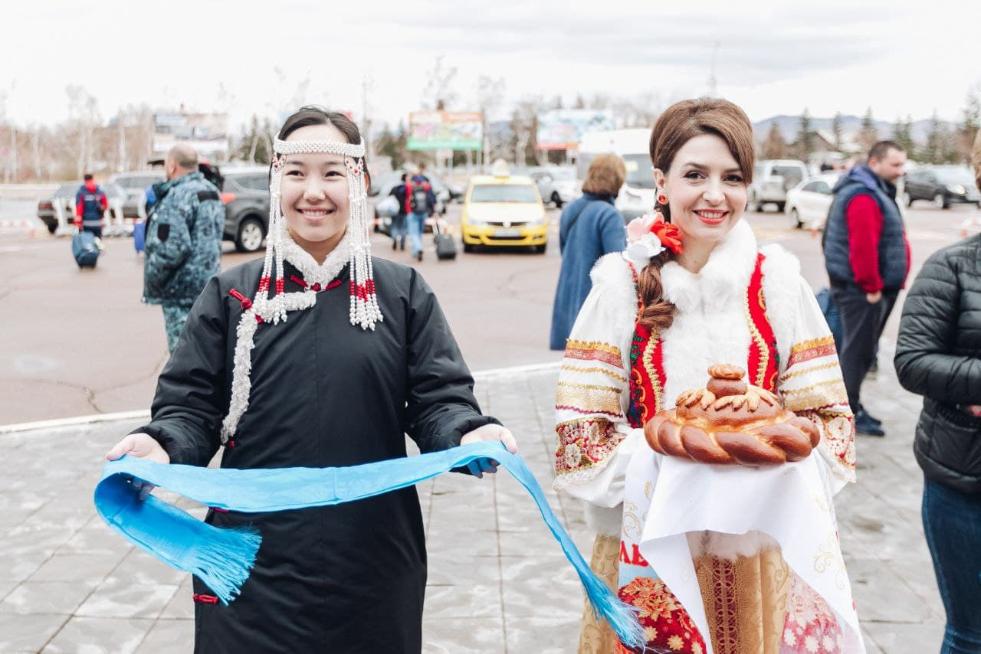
(730, 421)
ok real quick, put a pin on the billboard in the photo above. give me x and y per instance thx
(562, 129)
(205, 132)
(445, 130)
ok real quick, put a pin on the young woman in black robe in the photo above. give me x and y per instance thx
(323, 392)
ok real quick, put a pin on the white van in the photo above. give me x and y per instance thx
(637, 196)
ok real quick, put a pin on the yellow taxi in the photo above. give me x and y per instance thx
(501, 209)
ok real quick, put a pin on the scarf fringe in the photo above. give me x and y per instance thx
(224, 558)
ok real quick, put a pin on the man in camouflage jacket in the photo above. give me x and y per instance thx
(183, 240)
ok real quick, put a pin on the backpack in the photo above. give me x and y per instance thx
(419, 200)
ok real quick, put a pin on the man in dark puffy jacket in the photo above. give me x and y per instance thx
(938, 356)
(867, 258)
(183, 239)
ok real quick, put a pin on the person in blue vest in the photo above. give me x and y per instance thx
(867, 257)
(589, 227)
(90, 205)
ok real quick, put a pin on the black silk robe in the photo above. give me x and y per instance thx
(348, 578)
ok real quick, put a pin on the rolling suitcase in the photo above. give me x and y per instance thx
(445, 245)
(139, 236)
(85, 250)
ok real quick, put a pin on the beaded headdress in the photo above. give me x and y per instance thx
(364, 303)
(267, 307)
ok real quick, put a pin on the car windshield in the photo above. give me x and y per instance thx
(562, 174)
(138, 181)
(521, 193)
(789, 173)
(253, 181)
(640, 170)
(955, 176)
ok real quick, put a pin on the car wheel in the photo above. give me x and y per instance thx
(52, 227)
(540, 249)
(939, 201)
(780, 206)
(909, 199)
(468, 248)
(795, 217)
(557, 200)
(250, 235)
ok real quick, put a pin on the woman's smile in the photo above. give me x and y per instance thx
(711, 216)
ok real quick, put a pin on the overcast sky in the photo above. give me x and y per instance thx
(247, 57)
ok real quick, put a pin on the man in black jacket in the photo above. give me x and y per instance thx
(938, 356)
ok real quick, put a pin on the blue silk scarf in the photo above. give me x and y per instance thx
(222, 557)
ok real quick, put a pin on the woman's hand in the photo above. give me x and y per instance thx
(142, 446)
(489, 433)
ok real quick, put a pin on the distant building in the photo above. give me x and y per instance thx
(206, 132)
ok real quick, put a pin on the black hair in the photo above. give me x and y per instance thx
(882, 148)
(87, 177)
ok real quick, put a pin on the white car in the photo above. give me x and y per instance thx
(808, 202)
(557, 185)
(772, 178)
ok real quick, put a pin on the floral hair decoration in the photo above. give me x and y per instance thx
(649, 236)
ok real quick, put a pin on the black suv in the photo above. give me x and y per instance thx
(246, 199)
(942, 185)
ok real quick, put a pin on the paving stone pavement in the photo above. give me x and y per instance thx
(497, 579)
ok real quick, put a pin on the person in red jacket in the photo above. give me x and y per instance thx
(90, 205)
(867, 257)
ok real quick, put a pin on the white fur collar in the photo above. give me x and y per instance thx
(313, 272)
(725, 275)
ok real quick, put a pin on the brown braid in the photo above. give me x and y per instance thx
(656, 313)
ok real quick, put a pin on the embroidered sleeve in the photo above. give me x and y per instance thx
(811, 385)
(591, 401)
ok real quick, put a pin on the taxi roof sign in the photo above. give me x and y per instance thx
(500, 168)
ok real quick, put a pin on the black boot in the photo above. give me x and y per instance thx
(864, 424)
(872, 418)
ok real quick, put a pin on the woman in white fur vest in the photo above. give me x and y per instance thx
(727, 559)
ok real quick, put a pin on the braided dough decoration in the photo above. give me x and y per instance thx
(730, 421)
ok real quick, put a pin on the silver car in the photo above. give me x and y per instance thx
(135, 185)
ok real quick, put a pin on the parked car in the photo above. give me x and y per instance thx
(808, 202)
(135, 185)
(58, 209)
(772, 178)
(557, 185)
(246, 200)
(503, 210)
(942, 185)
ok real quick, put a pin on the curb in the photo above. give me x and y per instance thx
(73, 422)
(481, 375)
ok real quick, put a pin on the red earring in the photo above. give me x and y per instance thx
(662, 199)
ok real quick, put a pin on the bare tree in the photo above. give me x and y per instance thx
(774, 146)
(83, 118)
(439, 93)
(490, 95)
